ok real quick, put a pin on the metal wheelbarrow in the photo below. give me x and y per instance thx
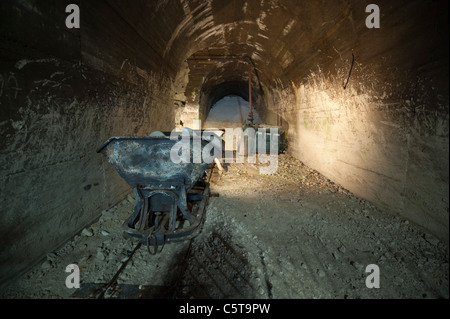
(168, 195)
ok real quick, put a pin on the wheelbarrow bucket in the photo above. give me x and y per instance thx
(161, 186)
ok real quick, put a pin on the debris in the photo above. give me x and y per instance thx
(431, 239)
(46, 265)
(87, 233)
(254, 244)
(131, 199)
(100, 256)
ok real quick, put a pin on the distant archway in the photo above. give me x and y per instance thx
(230, 111)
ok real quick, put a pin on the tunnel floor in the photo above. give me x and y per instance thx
(294, 234)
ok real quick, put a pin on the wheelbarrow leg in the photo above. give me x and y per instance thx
(137, 208)
(173, 216)
(182, 204)
(143, 220)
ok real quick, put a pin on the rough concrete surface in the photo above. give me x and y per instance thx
(294, 234)
(377, 125)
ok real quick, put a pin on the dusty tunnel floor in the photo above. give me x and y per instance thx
(293, 234)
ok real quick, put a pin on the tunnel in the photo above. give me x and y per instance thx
(361, 92)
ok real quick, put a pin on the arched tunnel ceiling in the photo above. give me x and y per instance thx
(284, 38)
(277, 35)
(221, 74)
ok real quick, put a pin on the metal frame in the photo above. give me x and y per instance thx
(166, 193)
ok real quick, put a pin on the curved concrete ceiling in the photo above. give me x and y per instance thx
(278, 36)
(287, 39)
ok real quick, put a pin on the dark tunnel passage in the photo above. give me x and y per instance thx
(218, 92)
(222, 75)
(365, 107)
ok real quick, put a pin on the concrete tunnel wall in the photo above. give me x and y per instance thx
(63, 92)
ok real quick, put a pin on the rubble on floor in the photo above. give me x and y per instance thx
(293, 234)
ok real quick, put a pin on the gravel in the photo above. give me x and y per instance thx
(293, 234)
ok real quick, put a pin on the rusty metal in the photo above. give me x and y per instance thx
(113, 281)
(166, 192)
